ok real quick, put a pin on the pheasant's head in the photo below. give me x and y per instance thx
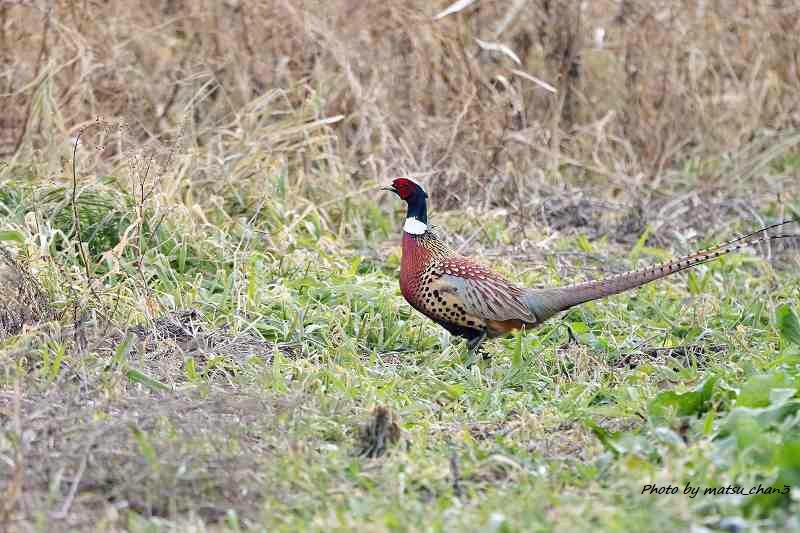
(415, 196)
(407, 189)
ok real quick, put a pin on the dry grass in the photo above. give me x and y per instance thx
(125, 455)
(713, 84)
(23, 301)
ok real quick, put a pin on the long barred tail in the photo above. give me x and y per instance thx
(547, 302)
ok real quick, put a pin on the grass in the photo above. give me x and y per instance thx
(200, 321)
(248, 411)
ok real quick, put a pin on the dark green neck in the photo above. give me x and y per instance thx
(418, 207)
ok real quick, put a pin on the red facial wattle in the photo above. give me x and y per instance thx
(403, 187)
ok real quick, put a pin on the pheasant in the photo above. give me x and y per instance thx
(471, 301)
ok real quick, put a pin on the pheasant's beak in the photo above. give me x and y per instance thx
(390, 188)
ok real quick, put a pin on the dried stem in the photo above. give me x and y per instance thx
(75, 214)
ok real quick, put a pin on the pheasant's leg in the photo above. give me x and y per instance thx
(572, 338)
(474, 347)
(475, 342)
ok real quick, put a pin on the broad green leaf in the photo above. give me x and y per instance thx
(12, 235)
(781, 396)
(688, 403)
(757, 390)
(751, 424)
(788, 324)
(743, 425)
(138, 376)
(786, 457)
(454, 391)
(579, 327)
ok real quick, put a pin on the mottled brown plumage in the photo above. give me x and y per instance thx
(472, 301)
(463, 296)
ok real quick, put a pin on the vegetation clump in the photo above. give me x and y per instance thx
(199, 306)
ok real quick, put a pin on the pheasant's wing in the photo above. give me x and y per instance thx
(483, 292)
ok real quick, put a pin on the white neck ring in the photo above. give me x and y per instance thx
(414, 226)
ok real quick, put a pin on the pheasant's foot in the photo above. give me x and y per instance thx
(572, 340)
(476, 354)
(475, 350)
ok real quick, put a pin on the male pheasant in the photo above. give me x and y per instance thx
(471, 301)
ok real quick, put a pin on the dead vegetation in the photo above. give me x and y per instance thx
(23, 301)
(379, 433)
(159, 456)
(184, 332)
(643, 88)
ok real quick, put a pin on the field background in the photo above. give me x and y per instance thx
(200, 324)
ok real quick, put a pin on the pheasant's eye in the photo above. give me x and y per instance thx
(403, 188)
